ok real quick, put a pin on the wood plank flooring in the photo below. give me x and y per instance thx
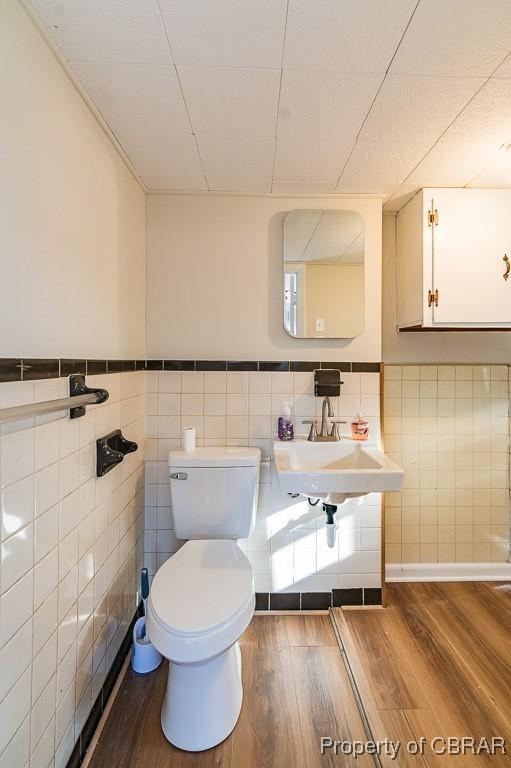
(296, 690)
(435, 662)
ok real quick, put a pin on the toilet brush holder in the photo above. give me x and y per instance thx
(144, 657)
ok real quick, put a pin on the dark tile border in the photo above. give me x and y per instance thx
(211, 365)
(32, 370)
(242, 365)
(274, 367)
(303, 367)
(96, 367)
(372, 596)
(365, 367)
(317, 601)
(284, 601)
(21, 369)
(10, 369)
(262, 601)
(72, 367)
(178, 365)
(88, 730)
(347, 597)
(345, 367)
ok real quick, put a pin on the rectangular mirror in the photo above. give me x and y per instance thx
(323, 269)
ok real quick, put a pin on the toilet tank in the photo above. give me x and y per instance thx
(214, 492)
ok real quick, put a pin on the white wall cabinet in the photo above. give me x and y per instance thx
(453, 260)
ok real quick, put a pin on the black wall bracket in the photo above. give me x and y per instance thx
(77, 388)
(327, 382)
(111, 450)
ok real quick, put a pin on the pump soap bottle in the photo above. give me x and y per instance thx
(286, 429)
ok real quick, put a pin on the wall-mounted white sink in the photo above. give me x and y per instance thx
(334, 471)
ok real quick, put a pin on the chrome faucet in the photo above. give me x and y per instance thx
(324, 435)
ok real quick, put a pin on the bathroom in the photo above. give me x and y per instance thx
(254, 383)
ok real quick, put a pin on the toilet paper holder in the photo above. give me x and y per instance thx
(111, 450)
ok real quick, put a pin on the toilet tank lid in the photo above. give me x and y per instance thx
(216, 457)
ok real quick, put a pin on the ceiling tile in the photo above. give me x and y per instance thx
(325, 104)
(303, 187)
(487, 119)
(505, 68)
(237, 164)
(234, 102)
(458, 39)
(344, 35)
(380, 163)
(169, 184)
(162, 154)
(309, 161)
(497, 174)
(136, 97)
(226, 33)
(97, 30)
(409, 109)
(451, 165)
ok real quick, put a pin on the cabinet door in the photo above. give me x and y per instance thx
(470, 241)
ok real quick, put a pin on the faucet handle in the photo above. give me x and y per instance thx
(335, 429)
(313, 432)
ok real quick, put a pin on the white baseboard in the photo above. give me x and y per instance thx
(448, 572)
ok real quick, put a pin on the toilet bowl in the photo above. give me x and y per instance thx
(202, 599)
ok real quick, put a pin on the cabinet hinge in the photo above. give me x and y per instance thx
(432, 217)
(433, 298)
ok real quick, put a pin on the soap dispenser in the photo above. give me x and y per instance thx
(359, 427)
(286, 429)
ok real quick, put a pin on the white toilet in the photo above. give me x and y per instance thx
(202, 599)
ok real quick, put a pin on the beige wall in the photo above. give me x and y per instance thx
(72, 217)
(449, 347)
(215, 276)
(335, 293)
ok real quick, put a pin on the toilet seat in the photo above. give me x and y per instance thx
(201, 601)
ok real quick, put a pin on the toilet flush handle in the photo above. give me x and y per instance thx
(179, 476)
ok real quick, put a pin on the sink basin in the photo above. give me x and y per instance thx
(334, 471)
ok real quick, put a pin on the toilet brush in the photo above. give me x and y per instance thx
(144, 657)
(144, 587)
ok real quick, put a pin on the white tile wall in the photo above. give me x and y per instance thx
(72, 548)
(448, 426)
(288, 547)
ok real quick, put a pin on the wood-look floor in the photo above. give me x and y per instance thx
(296, 690)
(435, 662)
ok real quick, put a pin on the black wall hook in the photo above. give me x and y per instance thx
(78, 387)
(111, 450)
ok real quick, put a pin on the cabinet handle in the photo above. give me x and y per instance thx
(508, 266)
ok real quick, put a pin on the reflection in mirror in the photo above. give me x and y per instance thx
(323, 271)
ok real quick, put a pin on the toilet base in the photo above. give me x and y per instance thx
(203, 701)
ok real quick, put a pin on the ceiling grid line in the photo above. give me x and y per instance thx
(378, 91)
(183, 95)
(280, 91)
(403, 183)
(294, 96)
(457, 116)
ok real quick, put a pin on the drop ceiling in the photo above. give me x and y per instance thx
(298, 96)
